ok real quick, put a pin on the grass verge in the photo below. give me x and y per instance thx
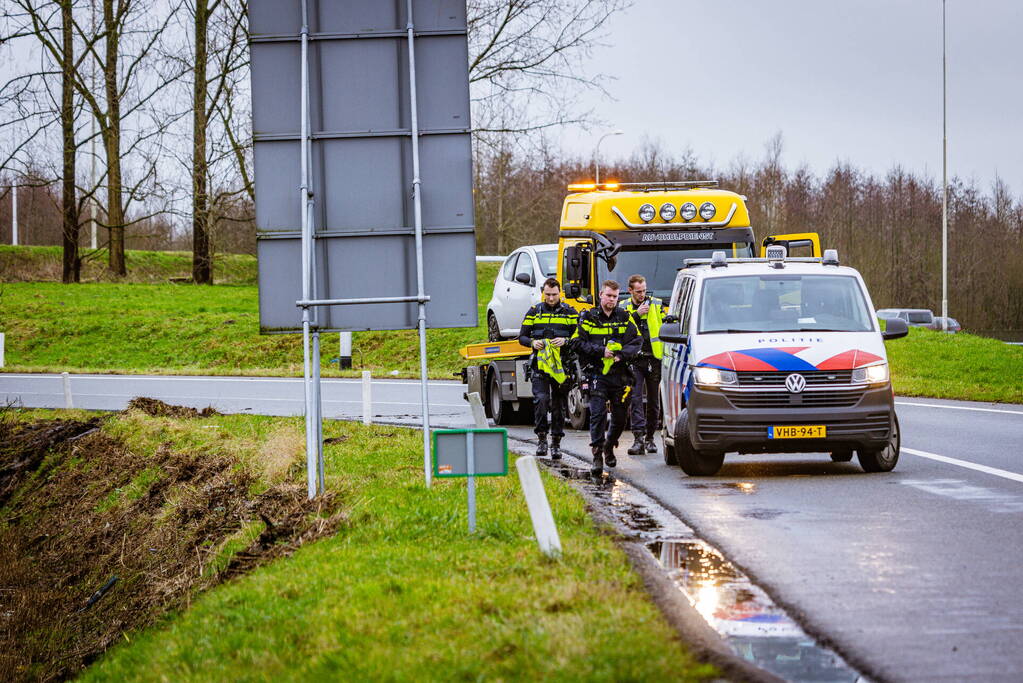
(33, 264)
(400, 592)
(956, 366)
(188, 329)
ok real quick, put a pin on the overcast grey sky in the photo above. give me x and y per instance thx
(852, 81)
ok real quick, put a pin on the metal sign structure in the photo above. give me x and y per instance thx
(363, 173)
(470, 453)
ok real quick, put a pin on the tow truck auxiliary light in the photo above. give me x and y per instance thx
(687, 211)
(647, 213)
(667, 212)
(707, 210)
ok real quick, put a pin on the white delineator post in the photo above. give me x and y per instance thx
(367, 397)
(479, 416)
(1, 349)
(66, 381)
(539, 508)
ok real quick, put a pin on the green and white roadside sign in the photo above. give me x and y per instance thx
(470, 453)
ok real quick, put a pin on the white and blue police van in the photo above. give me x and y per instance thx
(775, 355)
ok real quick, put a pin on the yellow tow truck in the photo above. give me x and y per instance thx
(609, 232)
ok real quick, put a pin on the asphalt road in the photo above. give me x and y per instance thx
(912, 575)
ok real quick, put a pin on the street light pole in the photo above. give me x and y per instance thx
(944, 180)
(596, 153)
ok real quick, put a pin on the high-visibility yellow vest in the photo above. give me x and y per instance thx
(548, 360)
(654, 317)
(608, 362)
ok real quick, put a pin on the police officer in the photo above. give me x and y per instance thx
(606, 340)
(546, 329)
(646, 312)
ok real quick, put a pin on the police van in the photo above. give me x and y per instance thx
(775, 355)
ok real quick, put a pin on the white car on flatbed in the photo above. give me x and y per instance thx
(517, 287)
(775, 355)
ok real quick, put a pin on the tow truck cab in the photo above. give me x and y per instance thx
(609, 232)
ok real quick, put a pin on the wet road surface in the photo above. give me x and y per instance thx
(912, 575)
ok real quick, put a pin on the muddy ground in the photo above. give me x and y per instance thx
(96, 542)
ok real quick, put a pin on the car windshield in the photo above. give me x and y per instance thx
(548, 262)
(783, 303)
(659, 266)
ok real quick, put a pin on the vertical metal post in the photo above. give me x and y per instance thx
(318, 412)
(470, 468)
(417, 203)
(944, 180)
(307, 255)
(14, 215)
(92, 137)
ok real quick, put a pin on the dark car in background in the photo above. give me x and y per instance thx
(915, 317)
(953, 325)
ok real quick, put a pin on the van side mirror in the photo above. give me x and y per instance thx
(894, 328)
(672, 333)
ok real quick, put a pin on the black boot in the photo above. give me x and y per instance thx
(638, 447)
(541, 446)
(651, 445)
(555, 448)
(609, 454)
(598, 461)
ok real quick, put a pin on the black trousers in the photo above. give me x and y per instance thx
(604, 389)
(548, 397)
(646, 381)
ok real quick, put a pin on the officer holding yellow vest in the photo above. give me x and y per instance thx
(646, 312)
(546, 329)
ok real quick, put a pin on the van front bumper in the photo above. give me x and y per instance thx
(717, 425)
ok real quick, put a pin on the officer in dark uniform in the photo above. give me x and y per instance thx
(647, 312)
(554, 320)
(607, 340)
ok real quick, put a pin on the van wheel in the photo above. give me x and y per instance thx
(493, 331)
(502, 411)
(693, 462)
(885, 459)
(841, 456)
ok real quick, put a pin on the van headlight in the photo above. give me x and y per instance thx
(872, 374)
(714, 377)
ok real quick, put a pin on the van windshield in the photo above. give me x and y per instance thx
(783, 303)
(659, 265)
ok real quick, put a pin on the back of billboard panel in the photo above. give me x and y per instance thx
(361, 161)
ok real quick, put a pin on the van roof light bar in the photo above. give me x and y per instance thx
(718, 260)
(830, 257)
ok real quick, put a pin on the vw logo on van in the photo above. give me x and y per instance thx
(795, 383)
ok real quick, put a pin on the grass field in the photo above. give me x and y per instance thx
(32, 264)
(150, 327)
(401, 591)
(187, 329)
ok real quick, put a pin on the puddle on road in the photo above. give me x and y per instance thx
(742, 613)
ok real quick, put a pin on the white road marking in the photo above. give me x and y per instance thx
(1004, 474)
(960, 490)
(938, 405)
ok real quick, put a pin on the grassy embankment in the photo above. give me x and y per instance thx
(162, 327)
(184, 329)
(401, 592)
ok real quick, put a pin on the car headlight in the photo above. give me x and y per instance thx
(647, 212)
(687, 211)
(707, 210)
(713, 376)
(872, 374)
(667, 212)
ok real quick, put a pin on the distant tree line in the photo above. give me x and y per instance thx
(888, 227)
